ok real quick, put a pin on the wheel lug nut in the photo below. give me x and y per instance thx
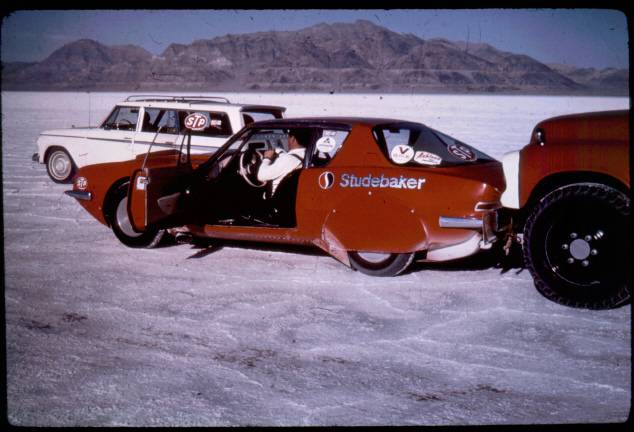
(594, 252)
(573, 235)
(570, 260)
(585, 263)
(587, 238)
(598, 235)
(564, 246)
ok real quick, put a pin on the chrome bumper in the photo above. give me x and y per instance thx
(80, 195)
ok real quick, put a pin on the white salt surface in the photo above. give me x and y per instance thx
(101, 335)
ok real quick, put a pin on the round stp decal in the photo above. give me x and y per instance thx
(401, 154)
(196, 121)
(461, 152)
(326, 180)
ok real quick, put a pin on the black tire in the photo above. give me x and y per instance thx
(576, 246)
(60, 166)
(388, 264)
(122, 228)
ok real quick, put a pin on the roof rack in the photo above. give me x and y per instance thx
(168, 98)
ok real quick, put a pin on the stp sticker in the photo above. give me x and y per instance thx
(401, 154)
(196, 121)
(426, 158)
(325, 144)
(461, 152)
(326, 180)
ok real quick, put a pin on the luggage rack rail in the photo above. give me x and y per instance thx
(168, 98)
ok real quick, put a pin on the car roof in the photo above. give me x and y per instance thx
(345, 122)
(196, 102)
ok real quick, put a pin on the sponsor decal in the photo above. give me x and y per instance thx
(326, 144)
(371, 181)
(141, 182)
(326, 180)
(426, 158)
(216, 122)
(401, 154)
(330, 133)
(461, 152)
(81, 183)
(196, 121)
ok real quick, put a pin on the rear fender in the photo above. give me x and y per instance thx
(374, 222)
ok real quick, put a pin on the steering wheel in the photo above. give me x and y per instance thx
(121, 122)
(250, 161)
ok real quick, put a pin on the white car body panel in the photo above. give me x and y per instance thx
(88, 146)
(511, 165)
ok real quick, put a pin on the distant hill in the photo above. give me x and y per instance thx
(341, 57)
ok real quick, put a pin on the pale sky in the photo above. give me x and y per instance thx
(579, 37)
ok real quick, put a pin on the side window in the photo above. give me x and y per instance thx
(218, 124)
(122, 118)
(160, 120)
(328, 143)
(422, 146)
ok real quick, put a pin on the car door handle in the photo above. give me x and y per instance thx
(128, 138)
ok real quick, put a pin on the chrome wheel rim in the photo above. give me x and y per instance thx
(122, 219)
(60, 165)
(373, 257)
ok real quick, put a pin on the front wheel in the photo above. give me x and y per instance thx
(576, 246)
(122, 227)
(380, 264)
(60, 166)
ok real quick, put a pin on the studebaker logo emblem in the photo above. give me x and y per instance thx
(326, 180)
(196, 121)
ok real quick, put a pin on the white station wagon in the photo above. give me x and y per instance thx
(142, 123)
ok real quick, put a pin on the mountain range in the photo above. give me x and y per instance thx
(340, 57)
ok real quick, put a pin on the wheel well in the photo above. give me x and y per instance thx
(52, 149)
(555, 181)
(108, 208)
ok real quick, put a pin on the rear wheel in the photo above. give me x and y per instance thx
(60, 166)
(380, 264)
(122, 227)
(576, 246)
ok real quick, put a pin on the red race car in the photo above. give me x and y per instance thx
(373, 193)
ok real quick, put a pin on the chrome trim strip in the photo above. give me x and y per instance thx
(487, 205)
(465, 223)
(80, 195)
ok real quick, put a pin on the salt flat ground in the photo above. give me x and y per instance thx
(99, 335)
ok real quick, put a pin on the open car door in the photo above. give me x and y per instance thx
(155, 196)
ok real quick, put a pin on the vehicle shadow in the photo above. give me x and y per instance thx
(492, 258)
(206, 247)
